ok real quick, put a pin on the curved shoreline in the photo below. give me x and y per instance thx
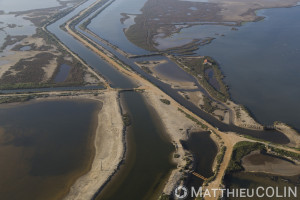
(226, 142)
(87, 182)
(252, 126)
(135, 75)
(108, 141)
(58, 175)
(138, 77)
(109, 149)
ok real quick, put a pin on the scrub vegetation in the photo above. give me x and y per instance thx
(197, 67)
(165, 101)
(240, 150)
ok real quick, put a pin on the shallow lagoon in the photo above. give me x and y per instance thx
(44, 147)
(114, 29)
(14, 26)
(261, 65)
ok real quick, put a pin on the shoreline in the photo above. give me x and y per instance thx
(150, 68)
(122, 70)
(72, 176)
(109, 150)
(175, 109)
(110, 59)
(177, 128)
(254, 125)
(108, 140)
(237, 12)
(41, 38)
(246, 115)
(126, 142)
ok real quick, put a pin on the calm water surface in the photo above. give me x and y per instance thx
(261, 62)
(44, 147)
(173, 72)
(62, 74)
(268, 135)
(115, 78)
(204, 151)
(148, 161)
(114, 29)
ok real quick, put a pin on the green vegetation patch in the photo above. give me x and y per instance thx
(285, 153)
(27, 70)
(220, 157)
(14, 99)
(208, 107)
(219, 160)
(162, 16)
(240, 150)
(126, 119)
(10, 40)
(165, 101)
(36, 85)
(164, 197)
(198, 66)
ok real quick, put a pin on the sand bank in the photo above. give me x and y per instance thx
(177, 126)
(109, 149)
(291, 133)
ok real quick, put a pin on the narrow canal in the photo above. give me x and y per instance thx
(148, 158)
(147, 162)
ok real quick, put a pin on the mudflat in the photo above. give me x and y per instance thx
(257, 162)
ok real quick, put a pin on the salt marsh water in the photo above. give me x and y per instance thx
(204, 151)
(14, 26)
(114, 29)
(62, 74)
(44, 147)
(261, 65)
(187, 35)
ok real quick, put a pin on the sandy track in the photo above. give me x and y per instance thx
(229, 139)
(89, 69)
(177, 127)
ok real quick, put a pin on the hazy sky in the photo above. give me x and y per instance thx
(22, 5)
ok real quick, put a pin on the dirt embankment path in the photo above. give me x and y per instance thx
(149, 86)
(109, 44)
(91, 70)
(177, 127)
(109, 146)
(109, 143)
(229, 139)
